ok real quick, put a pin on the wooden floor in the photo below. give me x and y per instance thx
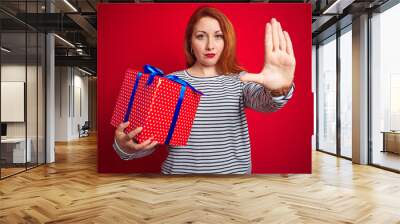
(5, 172)
(71, 191)
(387, 159)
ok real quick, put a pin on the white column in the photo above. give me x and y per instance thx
(50, 92)
(360, 90)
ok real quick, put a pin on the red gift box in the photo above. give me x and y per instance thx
(155, 107)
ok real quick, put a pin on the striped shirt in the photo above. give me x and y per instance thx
(219, 140)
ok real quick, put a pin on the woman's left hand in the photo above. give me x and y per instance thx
(279, 65)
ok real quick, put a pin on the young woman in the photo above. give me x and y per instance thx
(219, 140)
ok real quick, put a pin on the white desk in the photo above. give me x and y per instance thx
(18, 149)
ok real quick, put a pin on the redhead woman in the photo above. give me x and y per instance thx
(219, 141)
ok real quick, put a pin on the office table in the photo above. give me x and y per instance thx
(15, 148)
(391, 141)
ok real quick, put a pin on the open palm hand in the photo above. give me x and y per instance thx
(279, 64)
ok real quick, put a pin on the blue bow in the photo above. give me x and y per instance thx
(153, 71)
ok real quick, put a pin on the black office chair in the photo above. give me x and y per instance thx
(84, 130)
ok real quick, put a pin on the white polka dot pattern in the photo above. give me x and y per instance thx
(123, 97)
(154, 107)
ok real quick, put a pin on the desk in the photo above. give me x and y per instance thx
(391, 141)
(15, 148)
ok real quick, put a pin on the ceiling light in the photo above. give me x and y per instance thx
(70, 5)
(338, 6)
(65, 41)
(86, 72)
(5, 50)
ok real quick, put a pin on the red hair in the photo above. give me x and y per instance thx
(227, 63)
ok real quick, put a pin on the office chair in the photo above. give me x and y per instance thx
(84, 130)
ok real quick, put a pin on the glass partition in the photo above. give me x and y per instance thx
(346, 94)
(22, 88)
(385, 89)
(327, 96)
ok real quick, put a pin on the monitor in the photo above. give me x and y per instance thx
(3, 129)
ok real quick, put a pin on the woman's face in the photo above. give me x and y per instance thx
(207, 41)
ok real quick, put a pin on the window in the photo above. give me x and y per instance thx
(327, 96)
(346, 75)
(385, 89)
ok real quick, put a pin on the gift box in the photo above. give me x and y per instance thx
(165, 106)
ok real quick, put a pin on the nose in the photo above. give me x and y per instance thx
(210, 44)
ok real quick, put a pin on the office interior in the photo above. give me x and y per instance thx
(49, 80)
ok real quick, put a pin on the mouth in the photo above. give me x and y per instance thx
(210, 55)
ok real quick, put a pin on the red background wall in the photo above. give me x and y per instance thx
(131, 35)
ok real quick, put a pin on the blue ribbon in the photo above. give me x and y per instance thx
(184, 84)
(153, 71)
(130, 104)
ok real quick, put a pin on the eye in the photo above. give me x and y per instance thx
(219, 36)
(200, 36)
